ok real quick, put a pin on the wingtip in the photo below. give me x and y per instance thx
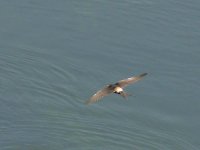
(143, 74)
(87, 102)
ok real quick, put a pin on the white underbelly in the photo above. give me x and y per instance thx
(118, 89)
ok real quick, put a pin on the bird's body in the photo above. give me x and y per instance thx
(116, 88)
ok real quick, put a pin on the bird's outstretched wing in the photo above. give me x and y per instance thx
(100, 94)
(125, 82)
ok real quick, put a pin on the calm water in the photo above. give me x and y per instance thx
(55, 54)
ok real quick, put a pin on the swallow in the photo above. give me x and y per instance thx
(116, 88)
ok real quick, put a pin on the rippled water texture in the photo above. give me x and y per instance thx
(55, 54)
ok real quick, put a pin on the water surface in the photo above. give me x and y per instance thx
(56, 54)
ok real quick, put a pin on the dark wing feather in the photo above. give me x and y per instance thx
(100, 94)
(125, 82)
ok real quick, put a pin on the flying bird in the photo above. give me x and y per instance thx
(116, 88)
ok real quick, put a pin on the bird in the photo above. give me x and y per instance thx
(116, 88)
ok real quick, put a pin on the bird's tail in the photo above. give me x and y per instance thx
(124, 94)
